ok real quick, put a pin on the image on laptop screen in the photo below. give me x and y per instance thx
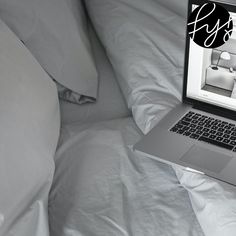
(212, 72)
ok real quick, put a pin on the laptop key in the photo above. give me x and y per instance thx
(186, 133)
(194, 136)
(192, 130)
(219, 134)
(179, 126)
(199, 127)
(222, 126)
(226, 136)
(182, 122)
(208, 126)
(206, 134)
(219, 139)
(233, 143)
(186, 128)
(174, 129)
(206, 130)
(226, 140)
(187, 119)
(180, 131)
(199, 132)
(215, 142)
(220, 129)
(227, 131)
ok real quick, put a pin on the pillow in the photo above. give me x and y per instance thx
(29, 131)
(145, 43)
(55, 32)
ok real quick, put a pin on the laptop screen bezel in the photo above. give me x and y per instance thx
(218, 110)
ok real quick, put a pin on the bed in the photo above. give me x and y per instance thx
(100, 186)
(116, 80)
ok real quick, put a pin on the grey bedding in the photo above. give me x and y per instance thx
(110, 102)
(102, 188)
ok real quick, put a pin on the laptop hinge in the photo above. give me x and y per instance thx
(216, 111)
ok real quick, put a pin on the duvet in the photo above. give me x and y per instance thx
(102, 188)
(145, 43)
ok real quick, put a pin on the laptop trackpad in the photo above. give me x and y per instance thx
(206, 159)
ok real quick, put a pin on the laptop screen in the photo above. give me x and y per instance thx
(211, 73)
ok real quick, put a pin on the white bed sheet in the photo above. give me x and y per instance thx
(102, 188)
(110, 102)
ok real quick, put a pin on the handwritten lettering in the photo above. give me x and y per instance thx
(212, 32)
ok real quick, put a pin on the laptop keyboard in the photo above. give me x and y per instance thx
(207, 129)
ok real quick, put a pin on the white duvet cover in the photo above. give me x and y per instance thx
(145, 43)
(102, 188)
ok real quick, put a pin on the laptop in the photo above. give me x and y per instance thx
(200, 133)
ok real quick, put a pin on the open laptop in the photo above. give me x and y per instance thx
(200, 133)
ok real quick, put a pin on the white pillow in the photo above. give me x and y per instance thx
(145, 42)
(29, 131)
(56, 34)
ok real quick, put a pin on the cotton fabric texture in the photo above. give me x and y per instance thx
(145, 42)
(29, 132)
(55, 31)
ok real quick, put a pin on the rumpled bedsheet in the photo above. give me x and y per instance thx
(145, 42)
(213, 201)
(102, 188)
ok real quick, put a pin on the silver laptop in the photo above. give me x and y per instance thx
(200, 133)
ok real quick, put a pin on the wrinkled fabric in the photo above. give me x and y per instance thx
(73, 97)
(110, 102)
(102, 188)
(214, 202)
(29, 131)
(145, 42)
